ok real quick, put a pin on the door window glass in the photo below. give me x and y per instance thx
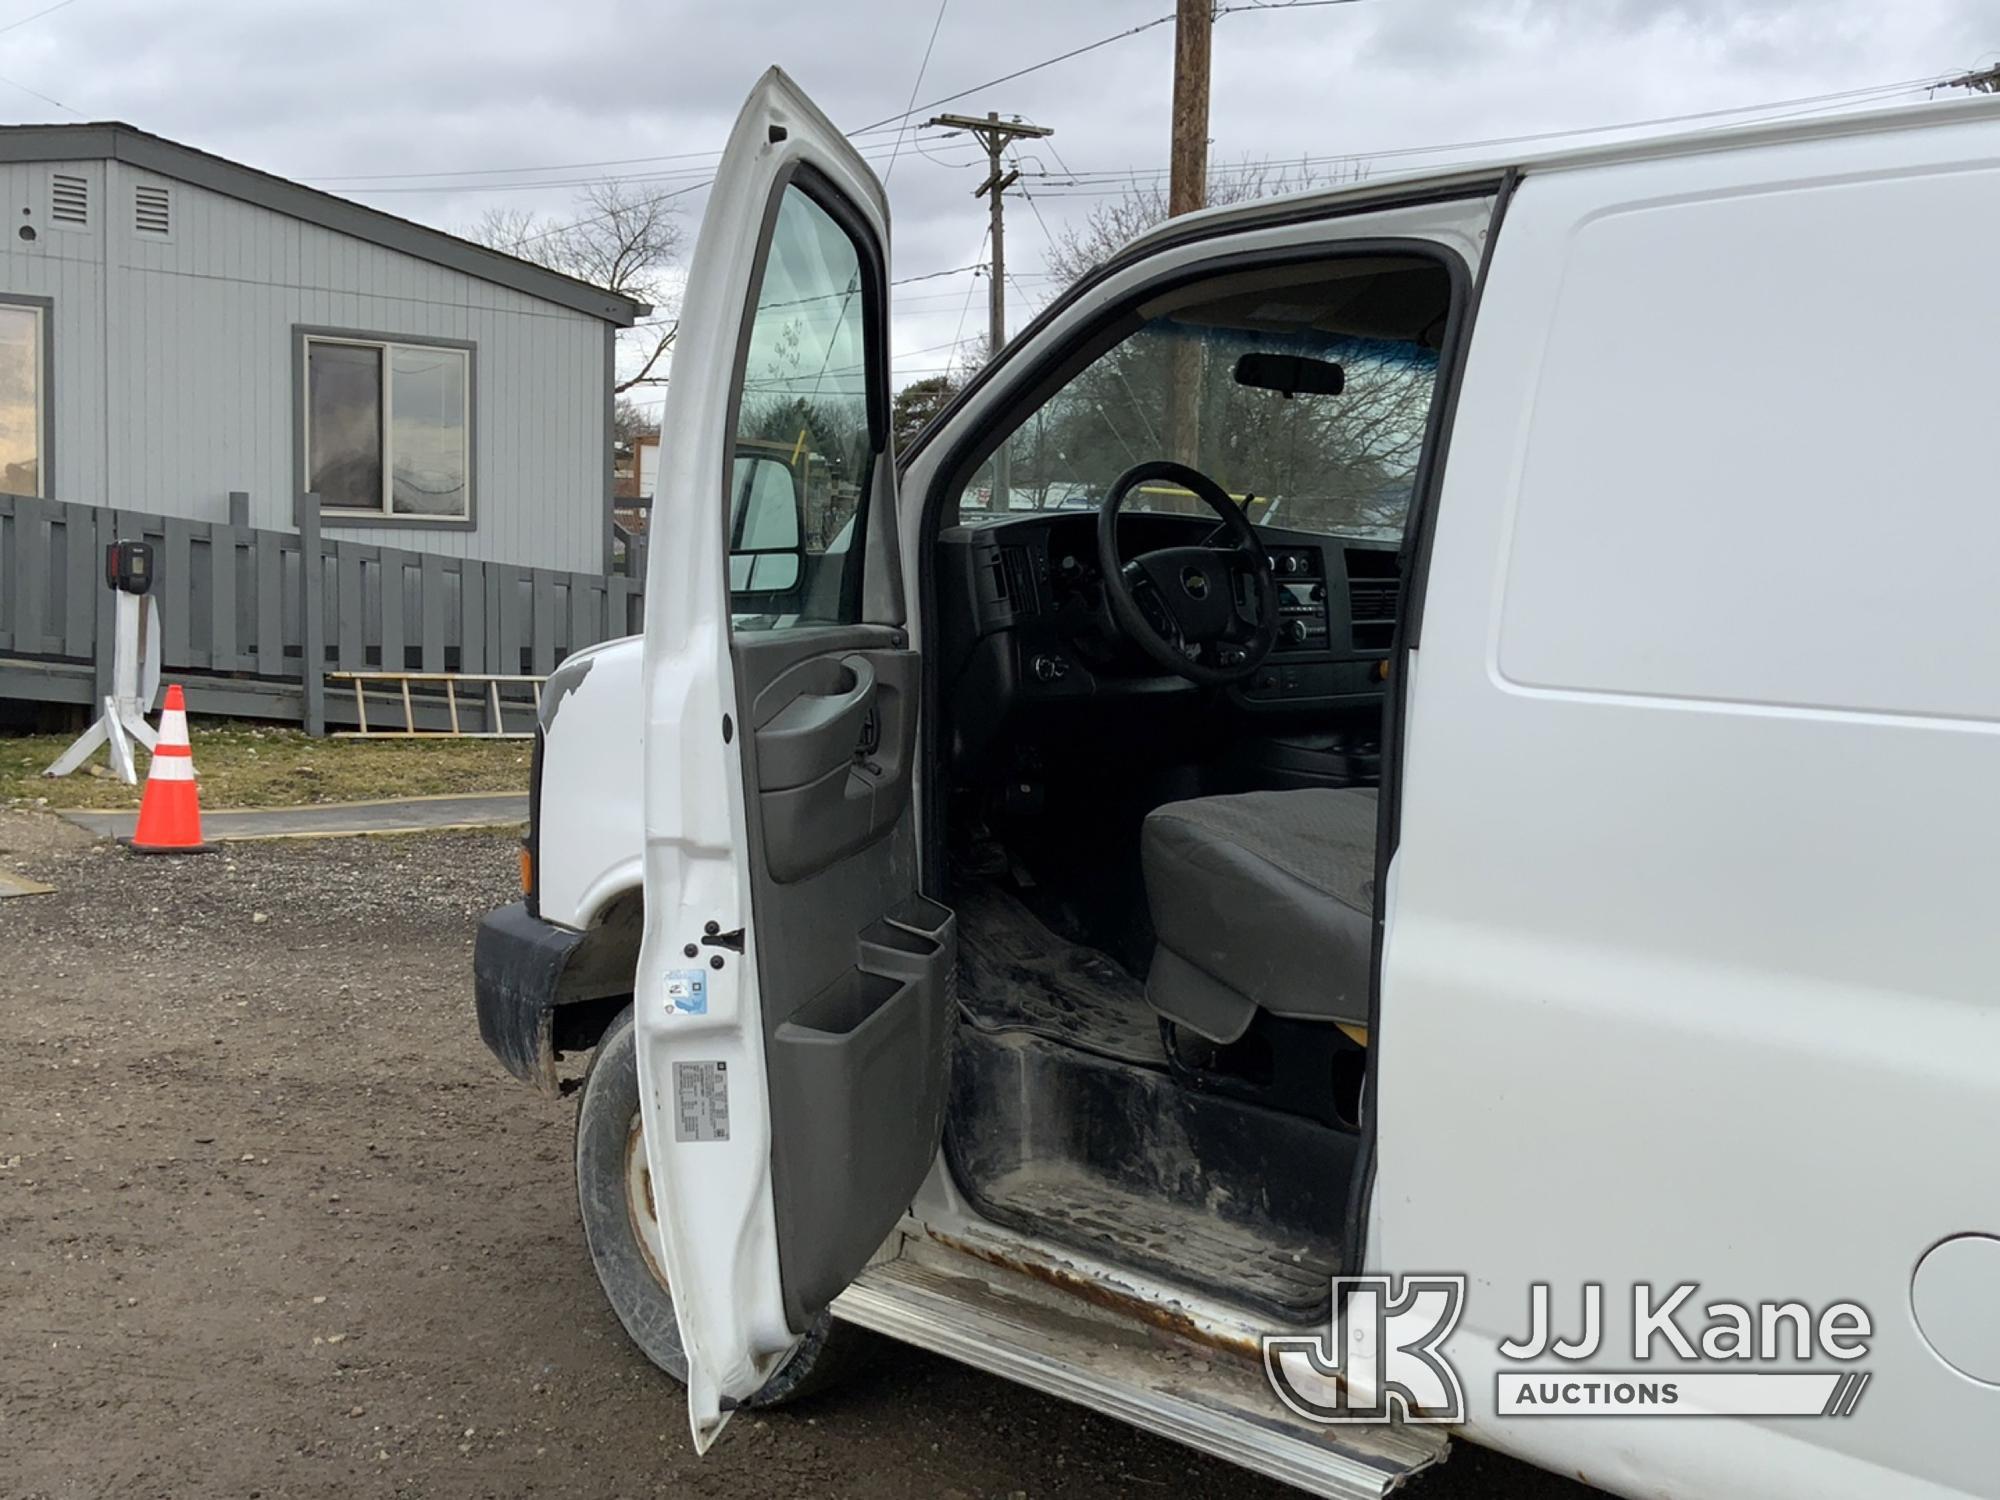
(806, 444)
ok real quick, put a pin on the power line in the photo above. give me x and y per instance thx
(1128, 175)
(887, 121)
(45, 11)
(922, 67)
(1047, 62)
(970, 287)
(705, 172)
(703, 162)
(1119, 36)
(934, 275)
(1031, 204)
(1249, 5)
(541, 234)
(15, 83)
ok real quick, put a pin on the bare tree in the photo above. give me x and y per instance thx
(629, 423)
(621, 240)
(1115, 222)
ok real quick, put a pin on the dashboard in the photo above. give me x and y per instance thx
(1023, 628)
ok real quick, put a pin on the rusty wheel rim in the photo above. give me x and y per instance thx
(639, 1205)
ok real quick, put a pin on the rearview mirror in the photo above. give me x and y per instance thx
(1291, 375)
(765, 551)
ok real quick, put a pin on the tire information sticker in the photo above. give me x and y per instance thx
(701, 1101)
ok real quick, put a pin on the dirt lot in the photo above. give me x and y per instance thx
(273, 1224)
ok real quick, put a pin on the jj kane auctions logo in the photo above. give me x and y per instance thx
(1381, 1357)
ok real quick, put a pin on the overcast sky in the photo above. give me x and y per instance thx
(353, 96)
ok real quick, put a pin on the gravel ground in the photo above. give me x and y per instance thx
(272, 1223)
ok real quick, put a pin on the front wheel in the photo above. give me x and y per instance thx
(614, 1194)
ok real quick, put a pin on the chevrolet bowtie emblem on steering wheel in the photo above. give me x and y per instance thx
(1195, 582)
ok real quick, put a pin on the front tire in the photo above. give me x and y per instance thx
(614, 1196)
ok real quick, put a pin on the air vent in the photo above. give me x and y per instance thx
(69, 199)
(1370, 602)
(152, 211)
(1020, 578)
(1374, 591)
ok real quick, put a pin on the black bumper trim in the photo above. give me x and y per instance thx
(517, 967)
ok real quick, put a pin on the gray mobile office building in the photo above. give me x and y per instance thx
(176, 327)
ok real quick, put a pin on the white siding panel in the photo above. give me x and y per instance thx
(174, 365)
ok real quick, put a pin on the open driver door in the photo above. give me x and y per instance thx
(794, 988)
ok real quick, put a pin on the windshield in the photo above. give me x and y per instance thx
(1341, 464)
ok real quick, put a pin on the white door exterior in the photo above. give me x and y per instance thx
(700, 1013)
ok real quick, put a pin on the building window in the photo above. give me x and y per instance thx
(23, 398)
(388, 428)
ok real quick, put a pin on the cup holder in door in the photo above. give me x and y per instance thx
(860, 1068)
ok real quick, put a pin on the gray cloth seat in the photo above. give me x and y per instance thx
(1261, 901)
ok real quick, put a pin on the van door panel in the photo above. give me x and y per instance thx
(854, 973)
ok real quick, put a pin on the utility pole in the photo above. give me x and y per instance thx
(1187, 190)
(995, 134)
(1188, 184)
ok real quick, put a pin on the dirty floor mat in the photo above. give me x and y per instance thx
(1015, 975)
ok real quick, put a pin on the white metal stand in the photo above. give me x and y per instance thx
(135, 682)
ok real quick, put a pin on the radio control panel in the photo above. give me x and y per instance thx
(1302, 616)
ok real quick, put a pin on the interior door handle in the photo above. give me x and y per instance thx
(829, 708)
(815, 733)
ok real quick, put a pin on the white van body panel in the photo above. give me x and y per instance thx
(588, 831)
(1690, 973)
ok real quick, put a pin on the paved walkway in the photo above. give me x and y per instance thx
(336, 819)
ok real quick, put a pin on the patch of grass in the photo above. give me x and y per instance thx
(242, 765)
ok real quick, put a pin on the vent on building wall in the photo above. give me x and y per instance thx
(69, 199)
(151, 210)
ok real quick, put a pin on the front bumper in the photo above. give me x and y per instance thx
(517, 968)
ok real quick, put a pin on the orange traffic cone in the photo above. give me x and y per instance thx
(170, 810)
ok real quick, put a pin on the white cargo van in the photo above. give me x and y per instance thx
(1502, 782)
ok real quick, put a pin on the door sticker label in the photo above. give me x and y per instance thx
(687, 992)
(701, 1101)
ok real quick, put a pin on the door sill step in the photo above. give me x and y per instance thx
(1214, 1400)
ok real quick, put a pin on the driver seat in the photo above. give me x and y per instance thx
(1265, 900)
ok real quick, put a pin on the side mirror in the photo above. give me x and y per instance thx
(766, 550)
(1291, 375)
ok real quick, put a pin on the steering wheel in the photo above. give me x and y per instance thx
(1179, 604)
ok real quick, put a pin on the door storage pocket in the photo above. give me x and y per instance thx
(843, 1008)
(924, 917)
(896, 952)
(857, 1091)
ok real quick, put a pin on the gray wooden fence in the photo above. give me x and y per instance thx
(247, 612)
